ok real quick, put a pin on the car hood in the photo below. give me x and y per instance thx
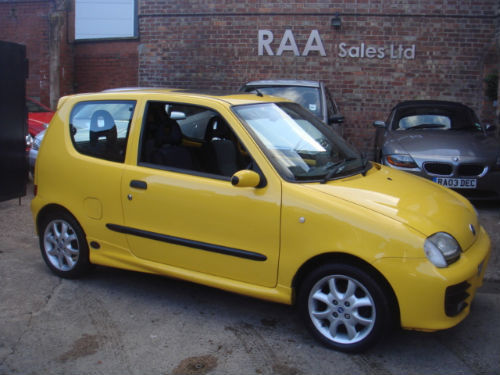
(471, 145)
(411, 200)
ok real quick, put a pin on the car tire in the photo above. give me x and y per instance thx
(64, 246)
(344, 307)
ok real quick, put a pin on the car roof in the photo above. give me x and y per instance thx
(284, 82)
(210, 92)
(427, 103)
(156, 92)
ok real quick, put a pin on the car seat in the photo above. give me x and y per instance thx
(171, 153)
(220, 148)
(102, 125)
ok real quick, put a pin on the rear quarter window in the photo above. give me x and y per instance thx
(100, 128)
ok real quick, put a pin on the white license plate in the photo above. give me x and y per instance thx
(456, 183)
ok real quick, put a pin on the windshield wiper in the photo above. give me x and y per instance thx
(258, 93)
(336, 168)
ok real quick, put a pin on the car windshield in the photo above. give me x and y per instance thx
(299, 145)
(308, 97)
(423, 118)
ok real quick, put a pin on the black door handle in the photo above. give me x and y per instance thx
(139, 184)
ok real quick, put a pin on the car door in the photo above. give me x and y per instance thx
(197, 221)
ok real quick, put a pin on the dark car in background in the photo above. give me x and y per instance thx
(33, 151)
(312, 95)
(444, 142)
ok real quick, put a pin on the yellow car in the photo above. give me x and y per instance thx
(254, 195)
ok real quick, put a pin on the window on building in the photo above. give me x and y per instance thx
(105, 19)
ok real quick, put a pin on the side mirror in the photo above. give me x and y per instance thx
(379, 124)
(336, 119)
(245, 178)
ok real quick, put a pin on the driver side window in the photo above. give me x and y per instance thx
(190, 138)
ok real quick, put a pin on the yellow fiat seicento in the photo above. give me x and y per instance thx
(254, 195)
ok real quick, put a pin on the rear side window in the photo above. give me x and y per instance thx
(100, 128)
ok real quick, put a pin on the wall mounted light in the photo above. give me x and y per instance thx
(336, 22)
(13, 13)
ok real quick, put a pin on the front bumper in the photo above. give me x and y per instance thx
(432, 298)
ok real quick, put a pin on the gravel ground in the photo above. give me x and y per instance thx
(119, 322)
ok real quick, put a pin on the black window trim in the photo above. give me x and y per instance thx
(190, 172)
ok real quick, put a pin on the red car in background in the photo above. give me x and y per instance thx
(39, 117)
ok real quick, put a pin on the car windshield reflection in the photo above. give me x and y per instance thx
(308, 97)
(300, 146)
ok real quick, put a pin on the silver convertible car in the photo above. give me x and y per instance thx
(444, 142)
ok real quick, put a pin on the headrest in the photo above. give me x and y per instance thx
(101, 120)
(217, 128)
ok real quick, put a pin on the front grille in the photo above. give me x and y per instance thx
(455, 297)
(443, 169)
(470, 170)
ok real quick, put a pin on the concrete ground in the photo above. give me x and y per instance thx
(119, 322)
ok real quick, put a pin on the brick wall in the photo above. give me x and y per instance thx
(28, 24)
(214, 45)
(103, 65)
(41, 25)
(196, 44)
(46, 27)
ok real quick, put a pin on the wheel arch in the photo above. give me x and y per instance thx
(350, 259)
(51, 209)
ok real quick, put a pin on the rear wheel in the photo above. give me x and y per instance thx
(344, 307)
(63, 245)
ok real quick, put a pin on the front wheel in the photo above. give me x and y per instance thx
(344, 307)
(63, 245)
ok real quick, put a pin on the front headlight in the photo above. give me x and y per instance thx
(442, 249)
(404, 161)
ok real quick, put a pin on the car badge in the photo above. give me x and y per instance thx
(472, 229)
(456, 158)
